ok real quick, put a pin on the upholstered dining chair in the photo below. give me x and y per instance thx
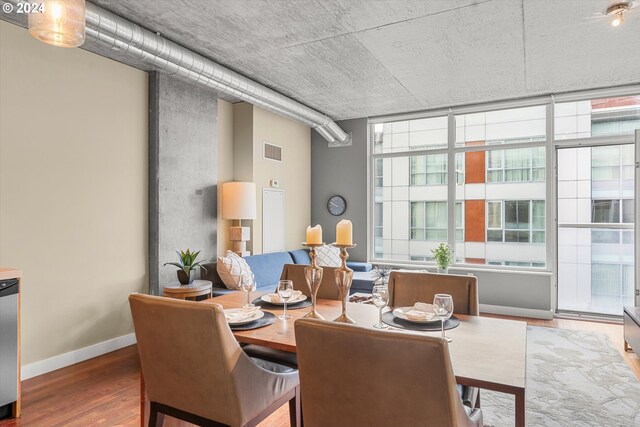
(408, 287)
(328, 288)
(195, 370)
(354, 376)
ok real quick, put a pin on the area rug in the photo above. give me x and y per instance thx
(574, 378)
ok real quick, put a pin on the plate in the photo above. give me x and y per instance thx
(266, 298)
(259, 314)
(399, 313)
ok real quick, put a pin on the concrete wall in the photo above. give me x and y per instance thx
(73, 191)
(182, 174)
(343, 171)
(224, 167)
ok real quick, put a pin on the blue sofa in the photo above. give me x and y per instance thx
(268, 267)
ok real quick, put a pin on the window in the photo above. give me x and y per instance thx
(459, 222)
(429, 221)
(494, 224)
(410, 135)
(511, 126)
(608, 211)
(429, 169)
(597, 117)
(519, 165)
(522, 222)
(459, 168)
(378, 173)
(378, 218)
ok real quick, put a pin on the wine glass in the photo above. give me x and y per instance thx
(248, 284)
(285, 290)
(443, 307)
(380, 294)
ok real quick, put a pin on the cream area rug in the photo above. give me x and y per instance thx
(574, 378)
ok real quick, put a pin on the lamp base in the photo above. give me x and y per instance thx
(239, 237)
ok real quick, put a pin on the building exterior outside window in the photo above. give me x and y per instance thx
(499, 160)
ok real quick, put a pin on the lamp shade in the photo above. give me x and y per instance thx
(59, 22)
(239, 200)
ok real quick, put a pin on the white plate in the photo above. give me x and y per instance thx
(259, 314)
(266, 298)
(399, 313)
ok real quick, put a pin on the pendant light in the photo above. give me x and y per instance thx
(61, 23)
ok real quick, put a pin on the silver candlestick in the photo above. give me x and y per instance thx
(313, 275)
(344, 277)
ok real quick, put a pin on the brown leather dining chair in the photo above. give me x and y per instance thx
(408, 287)
(328, 288)
(353, 376)
(195, 370)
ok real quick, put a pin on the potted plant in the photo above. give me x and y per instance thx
(444, 256)
(186, 266)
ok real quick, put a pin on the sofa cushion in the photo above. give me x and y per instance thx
(268, 268)
(300, 256)
(232, 268)
(359, 266)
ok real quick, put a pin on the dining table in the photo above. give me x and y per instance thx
(488, 353)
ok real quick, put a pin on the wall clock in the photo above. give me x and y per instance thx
(336, 205)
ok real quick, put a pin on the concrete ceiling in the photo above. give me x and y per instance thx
(356, 58)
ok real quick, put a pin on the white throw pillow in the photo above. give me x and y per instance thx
(231, 268)
(328, 256)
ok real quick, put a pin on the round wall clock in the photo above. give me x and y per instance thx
(336, 205)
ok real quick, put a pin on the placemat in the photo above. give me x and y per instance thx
(396, 322)
(265, 320)
(302, 304)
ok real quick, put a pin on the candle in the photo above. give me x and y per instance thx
(344, 233)
(314, 235)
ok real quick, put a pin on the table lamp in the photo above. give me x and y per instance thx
(238, 203)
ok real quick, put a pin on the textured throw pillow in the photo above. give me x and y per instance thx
(231, 268)
(328, 256)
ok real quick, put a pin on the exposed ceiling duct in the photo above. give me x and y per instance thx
(166, 56)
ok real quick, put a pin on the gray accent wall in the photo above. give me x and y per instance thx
(342, 171)
(182, 174)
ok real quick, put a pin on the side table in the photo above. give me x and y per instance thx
(192, 291)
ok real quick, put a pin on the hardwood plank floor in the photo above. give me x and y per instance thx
(105, 391)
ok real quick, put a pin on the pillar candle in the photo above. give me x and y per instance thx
(344, 233)
(314, 234)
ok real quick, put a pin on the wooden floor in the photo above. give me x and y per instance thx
(105, 390)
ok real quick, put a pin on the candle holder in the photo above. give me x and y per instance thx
(344, 277)
(313, 275)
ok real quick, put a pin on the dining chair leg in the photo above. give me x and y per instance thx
(295, 413)
(156, 418)
(478, 400)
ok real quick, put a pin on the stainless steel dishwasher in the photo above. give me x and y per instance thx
(8, 345)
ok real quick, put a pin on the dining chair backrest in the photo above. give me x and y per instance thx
(328, 288)
(192, 362)
(355, 376)
(408, 287)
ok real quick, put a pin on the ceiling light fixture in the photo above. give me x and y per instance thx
(616, 11)
(61, 23)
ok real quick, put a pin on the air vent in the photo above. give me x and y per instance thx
(272, 152)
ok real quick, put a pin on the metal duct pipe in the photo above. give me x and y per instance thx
(166, 56)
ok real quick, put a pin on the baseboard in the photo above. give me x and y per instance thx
(43, 366)
(516, 311)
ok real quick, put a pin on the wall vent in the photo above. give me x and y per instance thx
(272, 152)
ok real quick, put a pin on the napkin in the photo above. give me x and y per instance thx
(420, 311)
(238, 316)
(276, 298)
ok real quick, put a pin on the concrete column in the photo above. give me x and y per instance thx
(182, 174)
